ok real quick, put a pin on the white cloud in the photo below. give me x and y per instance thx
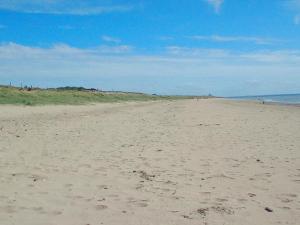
(198, 52)
(225, 56)
(13, 50)
(216, 4)
(110, 39)
(62, 64)
(218, 38)
(120, 49)
(74, 7)
(282, 56)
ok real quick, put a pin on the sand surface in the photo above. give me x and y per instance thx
(180, 162)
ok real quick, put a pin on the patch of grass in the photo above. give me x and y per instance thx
(72, 96)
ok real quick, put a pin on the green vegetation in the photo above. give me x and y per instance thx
(71, 95)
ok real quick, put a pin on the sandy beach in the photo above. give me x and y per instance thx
(181, 162)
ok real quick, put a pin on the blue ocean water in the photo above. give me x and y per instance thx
(286, 98)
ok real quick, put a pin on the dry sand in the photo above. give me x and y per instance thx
(181, 162)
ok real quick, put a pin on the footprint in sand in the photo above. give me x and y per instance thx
(187, 217)
(105, 187)
(38, 209)
(139, 203)
(8, 209)
(251, 195)
(291, 195)
(203, 211)
(56, 212)
(222, 210)
(221, 200)
(100, 207)
(285, 200)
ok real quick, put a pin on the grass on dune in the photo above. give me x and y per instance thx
(17, 96)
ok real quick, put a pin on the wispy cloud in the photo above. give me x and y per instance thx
(216, 4)
(198, 52)
(62, 64)
(59, 51)
(74, 7)
(280, 56)
(120, 49)
(262, 56)
(218, 38)
(110, 39)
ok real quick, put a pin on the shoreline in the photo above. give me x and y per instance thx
(264, 102)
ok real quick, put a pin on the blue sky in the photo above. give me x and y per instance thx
(223, 47)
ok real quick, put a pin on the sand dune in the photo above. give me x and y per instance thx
(180, 162)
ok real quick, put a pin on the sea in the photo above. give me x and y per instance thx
(283, 99)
